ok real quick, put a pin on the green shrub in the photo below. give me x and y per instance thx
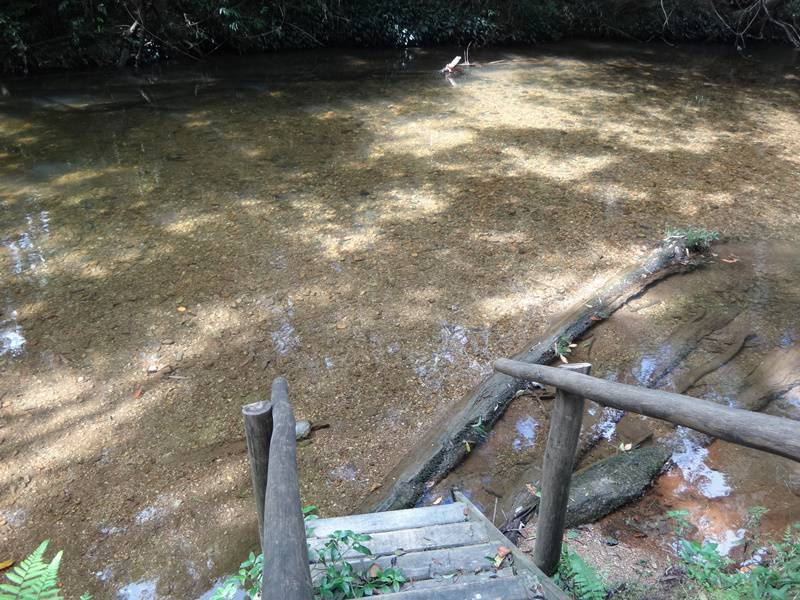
(695, 238)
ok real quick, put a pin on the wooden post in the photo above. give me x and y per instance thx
(287, 575)
(559, 460)
(257, 432)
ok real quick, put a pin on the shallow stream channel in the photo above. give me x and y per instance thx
(727, 332)
(172, 239)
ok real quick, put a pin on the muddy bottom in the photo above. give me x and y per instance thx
(174, 239)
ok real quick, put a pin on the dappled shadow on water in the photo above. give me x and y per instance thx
(359, 226)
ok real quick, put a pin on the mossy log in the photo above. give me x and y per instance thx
(613, 482)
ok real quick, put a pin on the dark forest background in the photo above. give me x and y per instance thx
(47, 34)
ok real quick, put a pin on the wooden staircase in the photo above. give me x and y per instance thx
(446, 552)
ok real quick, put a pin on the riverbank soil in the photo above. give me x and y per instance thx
(174, 239)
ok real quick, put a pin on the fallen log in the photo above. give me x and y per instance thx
(446, 444)
(613, 482)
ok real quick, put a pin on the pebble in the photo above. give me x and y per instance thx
(302, 429)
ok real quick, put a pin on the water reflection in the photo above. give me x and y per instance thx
(526, 428)
(690, 457)
(12, 341)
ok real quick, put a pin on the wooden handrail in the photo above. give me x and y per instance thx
(772, 434)
(283, 535)
(775, 435)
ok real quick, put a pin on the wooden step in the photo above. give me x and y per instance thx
(430, 564)
(453, 578)
(505, 588)
(411, 518)
(468, 533)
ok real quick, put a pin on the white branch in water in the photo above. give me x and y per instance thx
(451, 65)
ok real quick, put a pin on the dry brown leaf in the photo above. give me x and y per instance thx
(5, 564)
(374, 570)
(502, 552)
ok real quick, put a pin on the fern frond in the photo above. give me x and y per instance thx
(583, 579)
(33, 578)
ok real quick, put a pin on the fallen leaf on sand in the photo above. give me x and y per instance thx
(5, 564)
(502, 552)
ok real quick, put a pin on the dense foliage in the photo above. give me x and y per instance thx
(40, 34)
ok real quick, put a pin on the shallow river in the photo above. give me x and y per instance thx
(173, 239)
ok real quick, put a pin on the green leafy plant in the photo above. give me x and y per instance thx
(695, 238)
(680, 521)
(705, 565)
(33, 578)
(575, 575)
(563, 347)
(339, 579)
(479, 428)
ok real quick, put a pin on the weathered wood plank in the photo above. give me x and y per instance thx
(441, 581)
(442, 447)
(410, 518)
(522, 563)
(755, 430)
(423, 538)
(559, 460)
(428, 564)
(286, 572)
(507, 588)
